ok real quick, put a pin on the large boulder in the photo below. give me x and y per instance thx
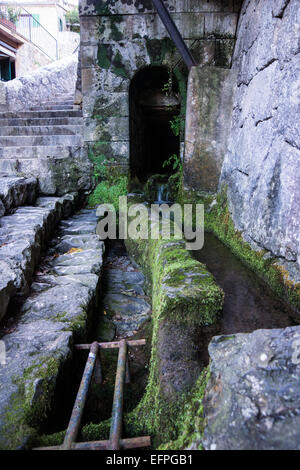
(252, 399)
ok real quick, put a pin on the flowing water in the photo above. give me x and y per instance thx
(249, 304)
(162, 194)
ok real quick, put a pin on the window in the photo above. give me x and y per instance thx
(35, 20)
(60, 25)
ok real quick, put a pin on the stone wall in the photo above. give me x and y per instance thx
(29, 58)
(44, 84)
(120, 38)
(262, 165)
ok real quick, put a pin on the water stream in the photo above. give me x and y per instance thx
(249, 304)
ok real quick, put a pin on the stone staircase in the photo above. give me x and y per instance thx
(44, 169)
(45, 141)
(55, 311)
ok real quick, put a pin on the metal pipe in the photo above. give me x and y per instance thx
(174, 33)
(116, 418)
(74, 423)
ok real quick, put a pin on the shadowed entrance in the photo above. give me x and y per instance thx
(152, 140)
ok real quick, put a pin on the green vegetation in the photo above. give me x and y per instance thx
(13, 14)
(110, 185)
(184, 294)
(27, 408)
(191, 419)
(173, 161)
(107, 193)
(176, 125)
(72, 18)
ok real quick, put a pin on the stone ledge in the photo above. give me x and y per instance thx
(56, 311)
(22, 238)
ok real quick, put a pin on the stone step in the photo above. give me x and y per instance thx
(16, 191)
(28, 152)
(40, 130)
(50, 121)
(54, 315)
(41, 114)
(53, 107)
(40, 140)
(23, 236)
(58, 169)
(49, 103)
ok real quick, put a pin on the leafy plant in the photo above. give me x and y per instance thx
(13, 14)
(72, 16)
(105, 192)
(167, 88)
(176, 125)
(174, 161)
(100, 166)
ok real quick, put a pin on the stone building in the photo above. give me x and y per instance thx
(128, 58)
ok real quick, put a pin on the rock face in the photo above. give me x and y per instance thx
(252, 399)
(16, 192)
(262, 165)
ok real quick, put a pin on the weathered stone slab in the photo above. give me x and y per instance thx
(111, 7)
(252, 399)
(46, 83)
(58, 169)
(208, 118)
(16, 191)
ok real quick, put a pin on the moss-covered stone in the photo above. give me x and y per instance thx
(158, 48)
(191, 421)
(184, 298)
(31, 402)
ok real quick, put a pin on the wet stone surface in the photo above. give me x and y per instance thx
(63, 294)
(125, 306)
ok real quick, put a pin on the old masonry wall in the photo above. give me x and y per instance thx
(109, 64)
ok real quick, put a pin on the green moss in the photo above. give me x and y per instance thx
(102, 7)
(28, 408)
(191, 420)
(158, 48)
(184, 293)
(107, 193)
(48, 440)
(96, 432)
(118, 67)
(116, 34)
(104, 56)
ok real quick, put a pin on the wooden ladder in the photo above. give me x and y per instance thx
(93, 368)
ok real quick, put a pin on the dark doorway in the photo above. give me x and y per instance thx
(152, 140)
(7, 69)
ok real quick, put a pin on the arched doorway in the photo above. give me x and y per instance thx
(152, 140)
